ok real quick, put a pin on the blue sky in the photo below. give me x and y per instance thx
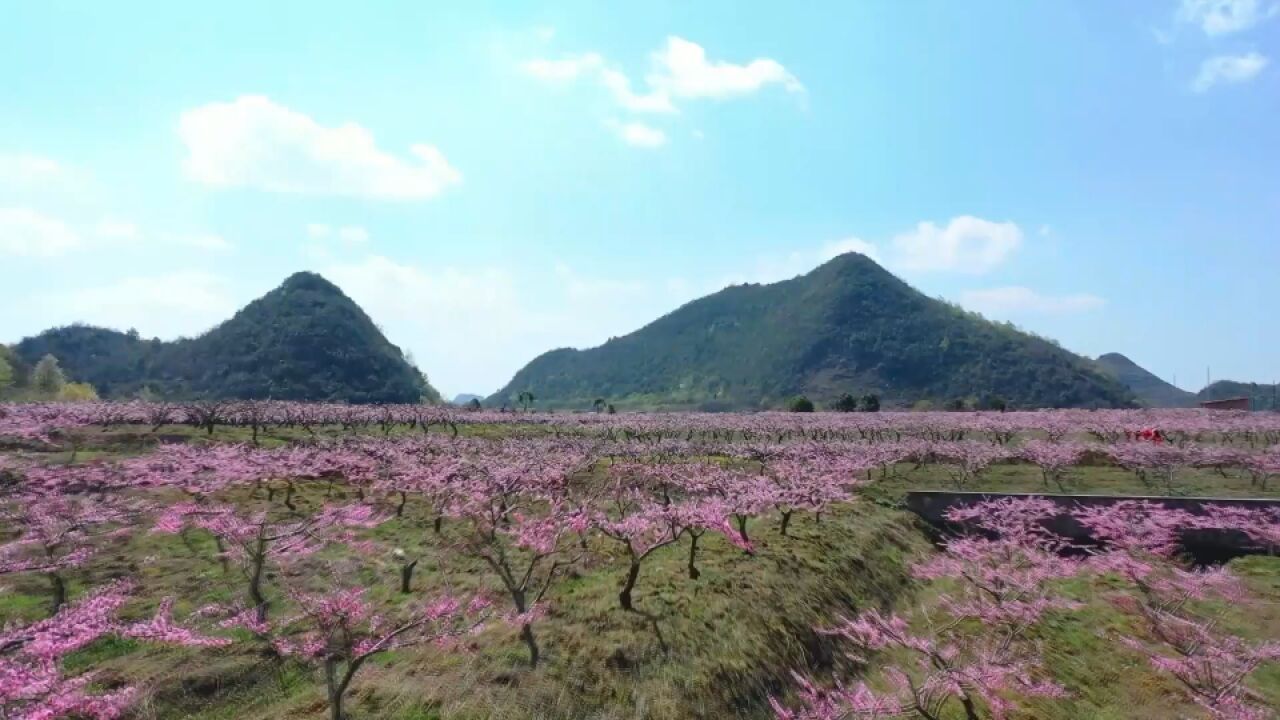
(492, 180)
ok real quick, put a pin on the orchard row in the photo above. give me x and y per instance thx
(41, 420)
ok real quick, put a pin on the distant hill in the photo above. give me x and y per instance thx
(1150, 390)
(848, 326)
(1264, 396)
(305, 340)
(464, 398)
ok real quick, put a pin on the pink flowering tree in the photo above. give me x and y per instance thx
(59, 532)
(641, 525)
(33, 685)
(340, 631)
(964, 461)
(521, 535)
(1183, 636)
(253, 540)
(1055, 460)
(649, 507)
(979, 655)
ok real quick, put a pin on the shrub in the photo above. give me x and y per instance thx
(801, 404)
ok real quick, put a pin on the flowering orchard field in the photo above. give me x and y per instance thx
(265, 560)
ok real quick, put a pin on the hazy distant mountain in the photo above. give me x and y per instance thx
(305, 340)
(848, 326)
(1150, 390)
(464, 398)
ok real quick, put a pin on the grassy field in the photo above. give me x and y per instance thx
(715, 647)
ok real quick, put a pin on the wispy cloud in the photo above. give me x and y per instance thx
(253, 142)
(638, 134)
(1222, 17)
(1228, 69)
(25, 232)
(679, 71)
(966, 244)
(1015, 301)
(167, 305)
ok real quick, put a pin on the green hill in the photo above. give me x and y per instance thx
(305, 340)
(1150, 390)
(848, 326)
(1263, 396)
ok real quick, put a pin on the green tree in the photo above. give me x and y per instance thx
(47, 377)
(6, 373)
(474, 404)
(801, 404)
(599, 404)
(846, 403)
(871, 403)
(526, 399)
(956, 405)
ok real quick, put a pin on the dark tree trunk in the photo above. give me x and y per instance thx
(255, 589)
(59, 587)
(693, 556)
(786, 520)
(406, 576)
(335, 690)
(624, 597)
(526, 634)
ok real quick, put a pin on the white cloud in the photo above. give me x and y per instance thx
(253, 142)
(1231, 69)
(467, 328)
(27, 233)
(967, 245)
(682, 69)
(353, 235)
(638, 134)
(1220, 17)
(208, 242)
(565, 69)
(1014, 301)
(176, 304)
(619, 86)
(117, 230)
(591, 288)
(679, 70)
(27, 170)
